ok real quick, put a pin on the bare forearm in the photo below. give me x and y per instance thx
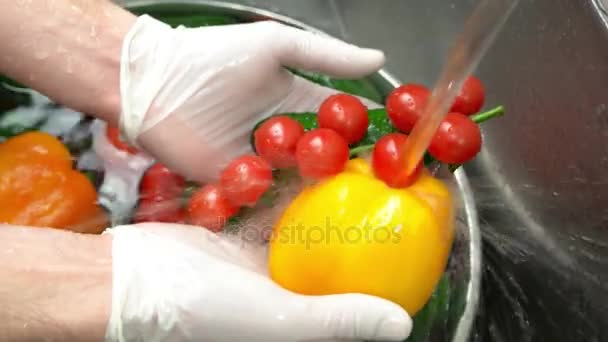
(54, 285)
(67, 49)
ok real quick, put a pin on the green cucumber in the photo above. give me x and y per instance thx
(434, 316)
(197, 20)
(363, 88)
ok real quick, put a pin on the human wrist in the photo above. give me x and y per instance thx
(56, 287)
(69, 51)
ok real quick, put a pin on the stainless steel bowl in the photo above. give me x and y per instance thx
(464, 270)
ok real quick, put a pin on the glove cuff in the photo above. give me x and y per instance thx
(138, 49)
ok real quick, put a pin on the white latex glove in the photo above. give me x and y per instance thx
(179, 283)
(191, 97)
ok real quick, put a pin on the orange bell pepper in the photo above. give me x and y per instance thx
(39, 187)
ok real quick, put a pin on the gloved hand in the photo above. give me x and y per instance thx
(191, 97)
(179, 283)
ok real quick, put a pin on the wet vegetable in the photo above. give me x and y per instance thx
(276, 140)
(405, 104)
(363, 88)
(471, 97)
(209, 207)
(160, 192)
(380, 125)
(457, 140)
(321, 153)
(346, 115)
(197, 20)
(39, 187)
(336, 238)
(245, 180)
(388, 160)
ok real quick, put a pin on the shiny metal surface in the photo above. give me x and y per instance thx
(541, 182)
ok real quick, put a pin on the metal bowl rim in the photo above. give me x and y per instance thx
(465, 324)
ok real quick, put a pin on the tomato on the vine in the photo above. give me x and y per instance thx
(276, 139)
(471, 97)
(388, 161)
(457, 140)
(113, 135)
(405, 104)
(210, 208)
(321, 153)
(246, 179)
(346, 115)
(160, 182)
(157, 209)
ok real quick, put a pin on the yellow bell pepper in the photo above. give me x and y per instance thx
(353, 233)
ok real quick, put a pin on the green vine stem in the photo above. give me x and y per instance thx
(487, 115)
(360, 149)
(477, 118)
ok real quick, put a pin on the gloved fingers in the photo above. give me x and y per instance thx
(354, 317)
(307, 96)
(319, 53)
(229, 248)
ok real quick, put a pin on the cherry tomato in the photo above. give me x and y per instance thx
(321, 153)
(160, 182)
(113, 135)
(246, 179)
(388, 161)
(210, 208)
(276, 139)
(457, 140)
(345, 114)
(405, 104)
(159, 210)
(471, 97)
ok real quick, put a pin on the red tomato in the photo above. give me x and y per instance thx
(159, 210)
(321, 153)
(246, 179)
(210, 208)
(457, 140)
(276, 139)
(471, 97)
(113, 135)
(405, 104)
(160, 182)
(388, 161)
(345, 114)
